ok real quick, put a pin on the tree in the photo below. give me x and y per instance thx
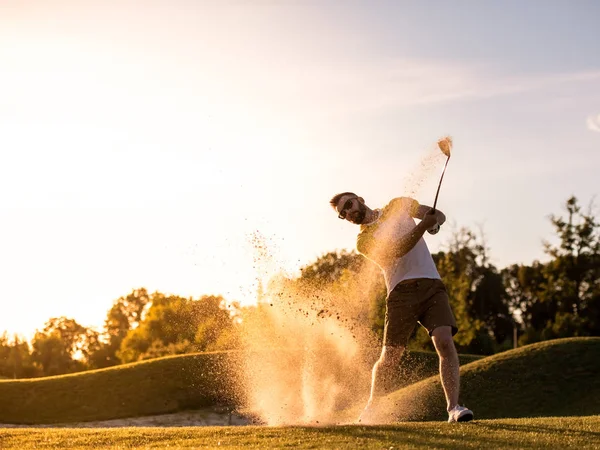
(329, 267)
(574, 272)
(50, 354)
(63, 346)
(477, 294)
(15, 358)
(125, 314)
(175, 325)
(526, 293)
(561, 297)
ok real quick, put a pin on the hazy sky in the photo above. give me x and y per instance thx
(156, 144)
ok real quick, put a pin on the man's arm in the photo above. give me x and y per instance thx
(421, 210)
(408, 241)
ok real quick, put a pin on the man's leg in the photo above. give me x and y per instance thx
(384, 370)
(400, 321)
(449, 366)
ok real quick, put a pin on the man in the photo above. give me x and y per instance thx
(392, 239)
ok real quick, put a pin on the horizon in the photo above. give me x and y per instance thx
(167, 145)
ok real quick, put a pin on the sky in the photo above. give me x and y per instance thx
(165, 144)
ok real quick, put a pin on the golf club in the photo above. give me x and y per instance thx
(445, 145)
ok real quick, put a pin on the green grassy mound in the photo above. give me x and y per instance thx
(557, 378)
(553, 378)
(156, 386)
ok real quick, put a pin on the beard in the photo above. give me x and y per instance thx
(358, 217)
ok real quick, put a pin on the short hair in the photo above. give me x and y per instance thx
(336, 198)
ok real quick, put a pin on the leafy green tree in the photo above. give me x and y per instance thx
(561, 297)
(573, 274)
(477, 293)
(329, 268)
(63, 346)
(125, 314)
(526, 292)
(15, 358)
(51, 355)
(176, 325)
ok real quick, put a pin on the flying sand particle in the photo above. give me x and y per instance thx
(308, 357)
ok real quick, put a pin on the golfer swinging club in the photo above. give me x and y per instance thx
(391, 238)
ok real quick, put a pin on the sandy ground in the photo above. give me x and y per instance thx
(195, 418)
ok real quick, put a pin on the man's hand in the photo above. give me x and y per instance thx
(430, 219)
(422, 211)
(406, 244)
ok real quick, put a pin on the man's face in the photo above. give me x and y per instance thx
(352, 209)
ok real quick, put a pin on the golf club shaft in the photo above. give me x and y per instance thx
(440, 184)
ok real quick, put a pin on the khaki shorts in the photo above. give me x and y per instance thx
(424, 301)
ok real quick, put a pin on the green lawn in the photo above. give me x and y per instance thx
(547, 432)
(547, 379)
(159, 386)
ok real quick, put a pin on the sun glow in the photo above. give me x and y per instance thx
(141, 145)
(114, 177)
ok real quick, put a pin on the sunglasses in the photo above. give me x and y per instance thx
(345, 208)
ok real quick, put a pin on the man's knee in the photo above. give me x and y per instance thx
(443, 342)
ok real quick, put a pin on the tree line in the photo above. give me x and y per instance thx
(138, 326)
(495, 309)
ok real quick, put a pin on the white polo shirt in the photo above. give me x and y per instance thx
(376, 241)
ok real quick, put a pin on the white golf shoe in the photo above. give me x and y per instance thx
(459, 414)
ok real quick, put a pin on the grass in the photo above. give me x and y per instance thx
(530, 385)
(551, 378)
(547, 433)
(149, 387)
(158, 386)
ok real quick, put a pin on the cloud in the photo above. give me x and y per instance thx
(349, 87)
(593, 123)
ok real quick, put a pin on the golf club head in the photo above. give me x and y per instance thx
(445, 145)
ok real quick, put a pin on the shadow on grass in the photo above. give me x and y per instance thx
(471, 435)
(446, 437)
(544, 429)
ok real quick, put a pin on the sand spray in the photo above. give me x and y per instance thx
(308, 350)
